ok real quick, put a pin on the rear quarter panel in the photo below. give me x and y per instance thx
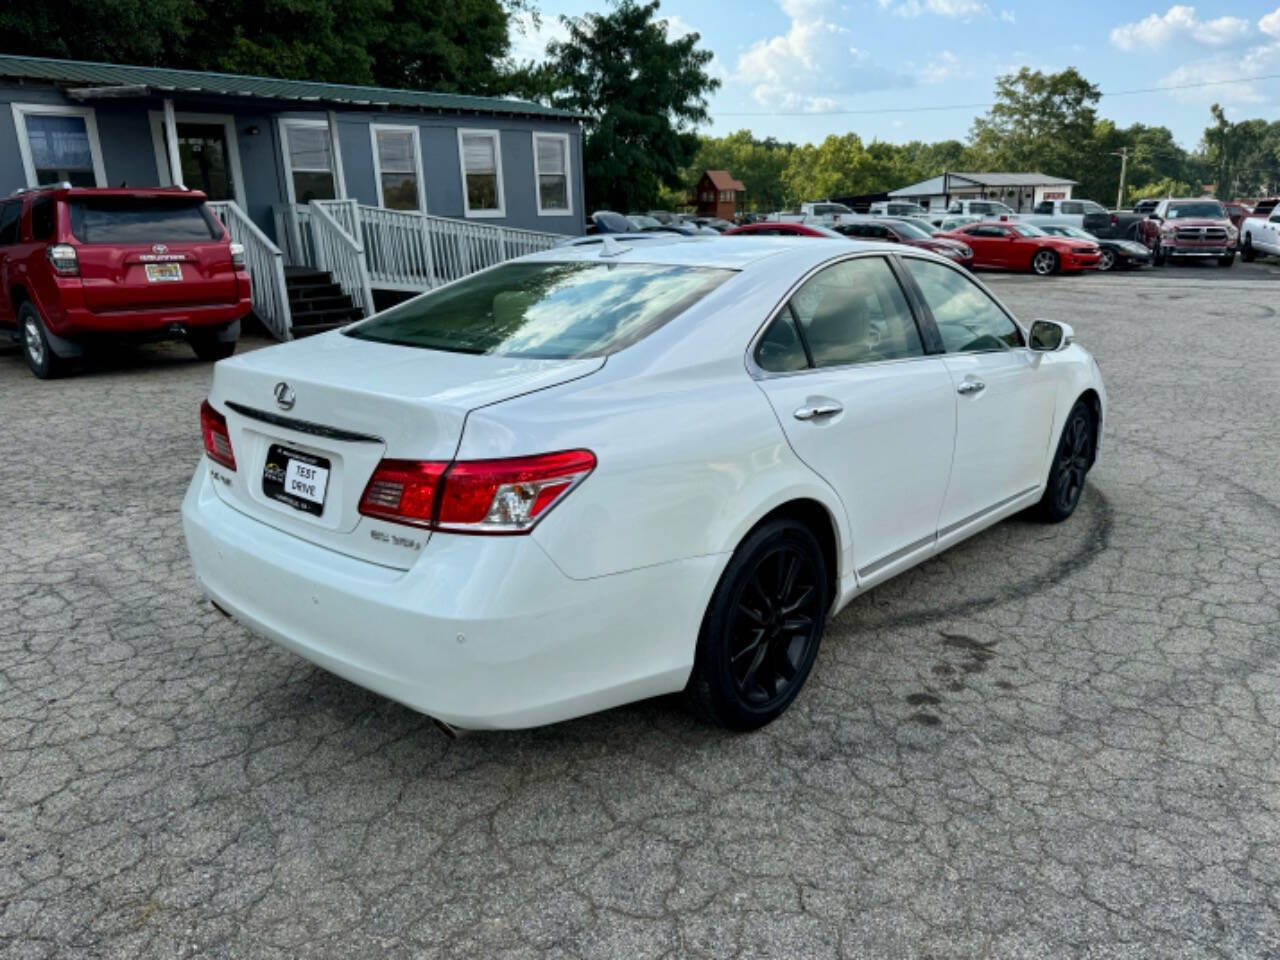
(687, 463)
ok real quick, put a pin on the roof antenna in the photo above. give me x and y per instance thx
(610, 247)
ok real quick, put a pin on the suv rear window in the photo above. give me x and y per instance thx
(137, 220)
(555, 311)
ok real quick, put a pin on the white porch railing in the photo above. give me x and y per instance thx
(336, 250)
(406, 250)
(265, 263)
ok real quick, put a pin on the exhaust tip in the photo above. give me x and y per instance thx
(448, 729)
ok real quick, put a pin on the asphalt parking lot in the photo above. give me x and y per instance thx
(1049, 742)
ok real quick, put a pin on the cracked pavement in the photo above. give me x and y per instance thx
(1048, 742)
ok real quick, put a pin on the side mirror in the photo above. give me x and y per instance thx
(1049, 335)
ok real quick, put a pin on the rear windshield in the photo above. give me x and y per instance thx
(137, 220)
(554, 311)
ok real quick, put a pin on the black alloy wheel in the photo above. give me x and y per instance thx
(762, 629)
(1070, 465)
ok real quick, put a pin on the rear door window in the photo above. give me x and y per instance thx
(855, 312)
(43, 218)
(138, 220)
(546, 310)
(10, 218)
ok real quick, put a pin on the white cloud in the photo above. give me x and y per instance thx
(678, 27)
(529, 42)
(1217, 70)
(955, 9)
(1155, 31)
(1270, 23)
(938, 69)
(816, 58)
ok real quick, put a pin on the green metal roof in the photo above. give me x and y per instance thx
(162, 80)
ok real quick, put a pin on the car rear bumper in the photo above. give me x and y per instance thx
(150, 323)
(481, 632)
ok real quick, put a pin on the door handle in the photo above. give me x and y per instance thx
(971, 386)
(818, 410)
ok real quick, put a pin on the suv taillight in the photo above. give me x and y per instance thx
(474, 496)
(63, 259)
(217, 442)
(237, 255)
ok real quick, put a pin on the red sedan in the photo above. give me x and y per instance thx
(782, 229)
(911, 234)
(1020, 246)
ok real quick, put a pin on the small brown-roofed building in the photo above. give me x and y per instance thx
(718, 194)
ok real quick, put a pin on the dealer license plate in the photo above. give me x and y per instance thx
(297, 478)
(160, 272)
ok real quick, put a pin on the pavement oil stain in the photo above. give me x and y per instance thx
(926, 719)
(923, 700)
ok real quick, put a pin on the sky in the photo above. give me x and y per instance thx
(789, 67)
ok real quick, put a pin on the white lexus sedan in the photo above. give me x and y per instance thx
(610, 471)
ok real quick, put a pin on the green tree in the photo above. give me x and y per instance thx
(643, 94)
(460, 45)
(1041, 122)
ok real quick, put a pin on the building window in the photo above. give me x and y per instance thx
(481, 157)
(397, 167)
(551, 168)
(308, 153)
(59, 143)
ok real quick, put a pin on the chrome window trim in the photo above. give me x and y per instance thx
(759, 373)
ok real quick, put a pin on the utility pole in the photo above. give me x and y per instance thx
(1123, 154)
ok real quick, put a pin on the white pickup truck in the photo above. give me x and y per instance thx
(822, 213)
(1260, 231)
(1074, 213)
(990, 209)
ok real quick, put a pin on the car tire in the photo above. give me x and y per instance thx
(1247, 253)
(762, 629)
(211, 349)
(1228, 261)
(41, 359)
(1070, 465)
(1106, 260)
(1044, 263)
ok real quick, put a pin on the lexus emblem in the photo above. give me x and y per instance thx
(159, 248)
(284, 396)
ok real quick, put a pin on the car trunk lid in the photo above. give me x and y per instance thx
(150, 253)
(340, 405)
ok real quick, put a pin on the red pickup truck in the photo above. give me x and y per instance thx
(1189, 228)
(80, 264)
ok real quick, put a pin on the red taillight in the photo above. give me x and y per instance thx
(217, 442)
(474, 496)
(404, 491)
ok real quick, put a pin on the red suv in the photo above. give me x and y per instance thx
(80, 264)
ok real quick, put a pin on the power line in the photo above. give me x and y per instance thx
(985, 106)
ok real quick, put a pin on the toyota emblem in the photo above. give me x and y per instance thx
(284, 396)
(159, 248)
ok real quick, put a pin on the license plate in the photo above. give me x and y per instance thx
(297, 478)
(160, 272)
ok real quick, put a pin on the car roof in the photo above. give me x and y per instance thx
(726, 252)
(132, 193)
